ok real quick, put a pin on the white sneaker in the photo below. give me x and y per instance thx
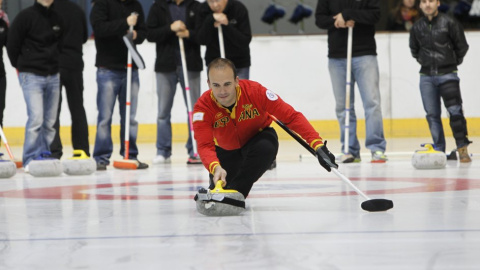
(161, 160)
(379, 157)
(348, 158)
(26, 169)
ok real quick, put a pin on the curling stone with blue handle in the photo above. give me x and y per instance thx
(7, 168)
(45, 166)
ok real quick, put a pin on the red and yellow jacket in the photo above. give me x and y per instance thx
(214, 124)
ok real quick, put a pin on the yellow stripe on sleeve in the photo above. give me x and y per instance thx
(212, 166)
(319, 141)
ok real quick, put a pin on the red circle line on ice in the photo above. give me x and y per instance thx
(129, 191)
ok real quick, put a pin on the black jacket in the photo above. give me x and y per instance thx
(158, 25)
(75, 34)
(439, 46)
(109, 23)
(365, 13)
(236, 35)
(34, 40)
(3, 42)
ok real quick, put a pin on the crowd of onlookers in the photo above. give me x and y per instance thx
(405, 12)
(44, 44)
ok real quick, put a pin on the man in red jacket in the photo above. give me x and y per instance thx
(232, 128)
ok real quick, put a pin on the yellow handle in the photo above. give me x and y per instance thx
(219, 186)
(430, 149)
(79, 154)
(219, 189)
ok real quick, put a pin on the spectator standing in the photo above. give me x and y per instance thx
(71, 76)
(438, 43)
(336, 16)
(111, 20)
(166, 22)
(232, 15)
(34, 45)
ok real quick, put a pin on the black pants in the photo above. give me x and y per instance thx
(246, 165)
(72, 80)
(3, 93)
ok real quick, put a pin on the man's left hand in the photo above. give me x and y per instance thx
(326, 158)
(339, 21)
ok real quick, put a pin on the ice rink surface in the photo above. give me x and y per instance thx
(298, 216)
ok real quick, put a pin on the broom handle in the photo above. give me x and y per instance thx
(187, 93)
(4, 138)
(127, 103)
(312, 151)
(347, 92)
(220, 40)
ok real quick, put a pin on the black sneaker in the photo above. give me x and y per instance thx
(452, 155)
(273, 165)
(141, 165)
(194, 160)
(101, 166)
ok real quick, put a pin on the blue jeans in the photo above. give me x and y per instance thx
(365, 74)
(41, 95)
(243, 73)
(166, 88)
(431, 98)
(112, 84)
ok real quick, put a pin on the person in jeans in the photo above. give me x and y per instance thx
(111, 20)
(336, 16)
(438, 43)
(166, 22)
(232, 128)
(34, 44)
(71, 76)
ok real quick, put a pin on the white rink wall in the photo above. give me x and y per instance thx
(295, 67)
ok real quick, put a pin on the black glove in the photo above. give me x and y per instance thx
(326, 158)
